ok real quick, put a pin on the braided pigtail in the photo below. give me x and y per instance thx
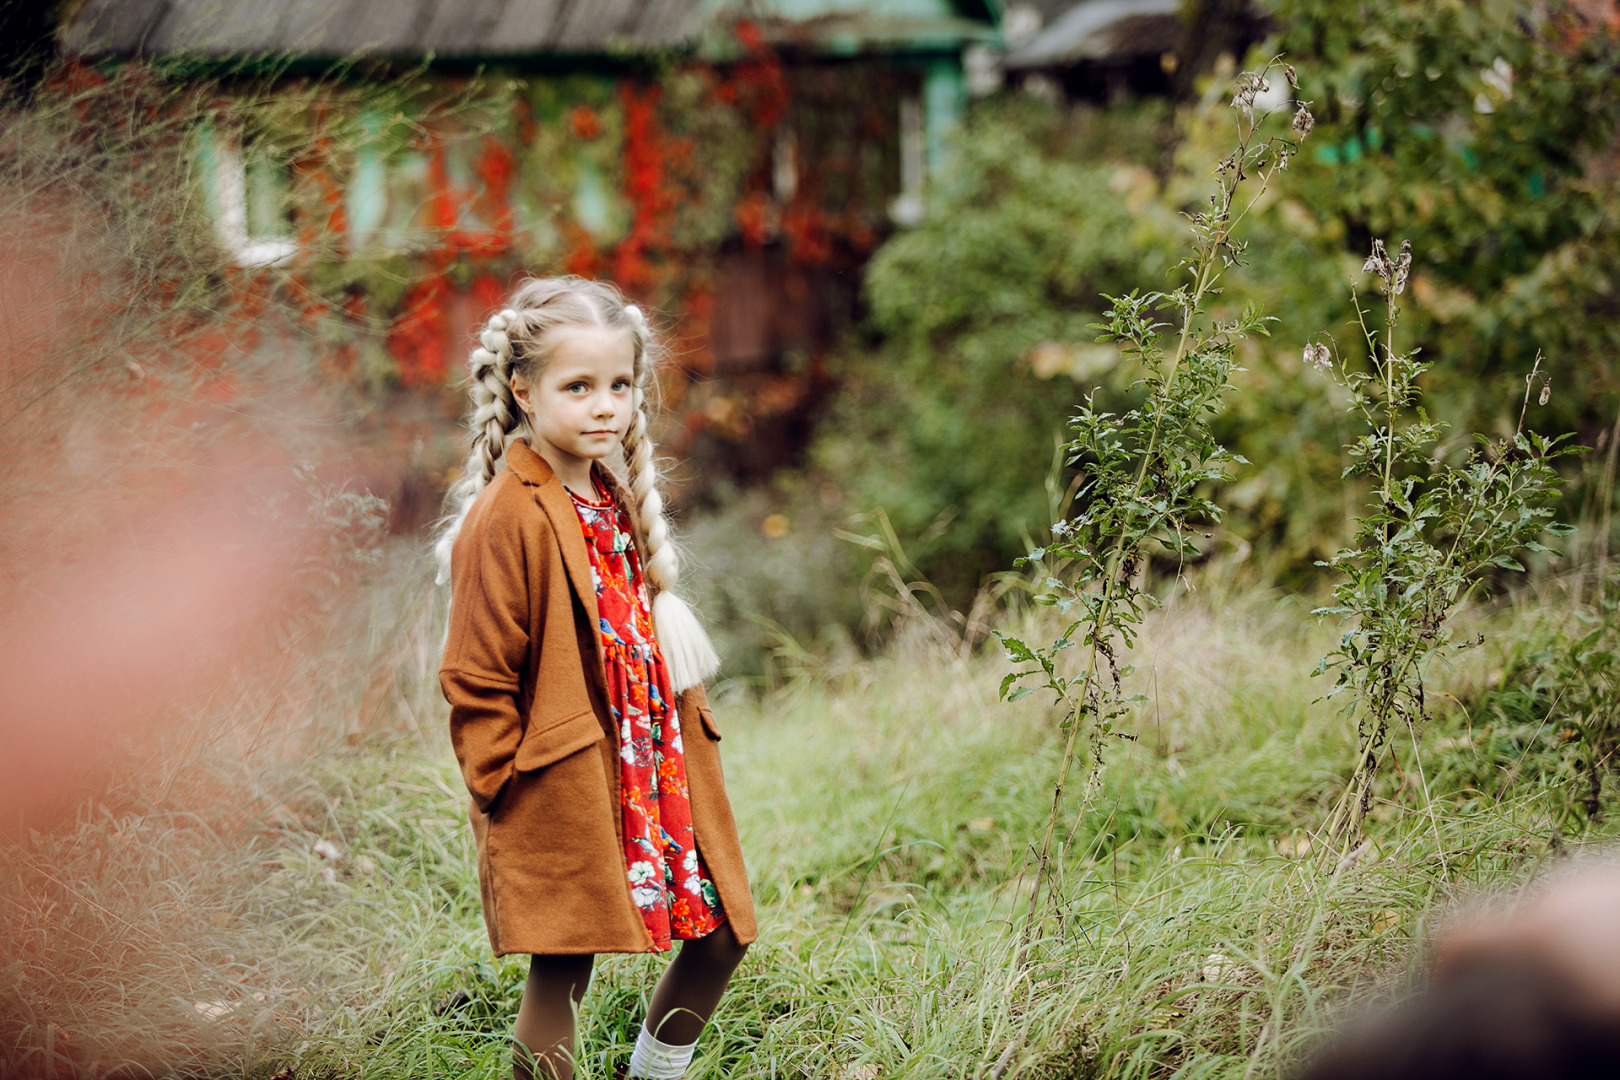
(688, 653)
(518, 341)
(495, 422)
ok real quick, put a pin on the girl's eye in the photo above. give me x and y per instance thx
(621, 385)
(577, 387)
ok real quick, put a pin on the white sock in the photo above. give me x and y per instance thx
(654, 1060)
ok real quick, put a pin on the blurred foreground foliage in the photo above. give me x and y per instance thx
(1483, 133)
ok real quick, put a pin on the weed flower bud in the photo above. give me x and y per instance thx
(1293, 79)
(1303, 121)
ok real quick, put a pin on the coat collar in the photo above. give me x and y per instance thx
(528, 466)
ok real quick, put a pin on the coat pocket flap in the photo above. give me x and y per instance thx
(569, 736)
(708, 721)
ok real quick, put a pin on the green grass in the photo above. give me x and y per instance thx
(886, 808)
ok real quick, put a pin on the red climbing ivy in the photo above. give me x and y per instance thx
(687, 158)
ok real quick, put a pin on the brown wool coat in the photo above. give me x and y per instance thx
(529, 721)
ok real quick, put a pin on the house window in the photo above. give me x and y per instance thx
(366, 198)
(249, 193)
(785, 165)
(907, 207)
(927, 121)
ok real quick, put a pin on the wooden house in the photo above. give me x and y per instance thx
(731, 162)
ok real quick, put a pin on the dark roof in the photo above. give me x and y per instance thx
(854, 31)
(378, 27)
(1050, 10)
(1100, 29)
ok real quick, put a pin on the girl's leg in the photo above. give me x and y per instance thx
(545, 1019)
(692, 986)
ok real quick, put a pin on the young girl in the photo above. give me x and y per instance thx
(576, 705)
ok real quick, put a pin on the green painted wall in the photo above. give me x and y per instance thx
(944, 99)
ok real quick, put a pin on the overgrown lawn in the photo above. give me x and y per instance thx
(886, 807)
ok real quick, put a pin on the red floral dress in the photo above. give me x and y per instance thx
(668, 880)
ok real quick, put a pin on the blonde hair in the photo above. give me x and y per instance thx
(518, 340)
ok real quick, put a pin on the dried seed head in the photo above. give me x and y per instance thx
(1288, 72)
(1546, 394)
(1249, 86)
(1317, 355)
(1303, 121)
(1378, 262)
(1403, 267)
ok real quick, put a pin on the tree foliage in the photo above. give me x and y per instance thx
(1483, 134)
(950, 424)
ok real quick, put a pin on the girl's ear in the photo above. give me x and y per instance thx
(520, 391)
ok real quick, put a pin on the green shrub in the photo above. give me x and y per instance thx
(951, 421)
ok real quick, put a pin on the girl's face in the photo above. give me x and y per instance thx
(581, 403)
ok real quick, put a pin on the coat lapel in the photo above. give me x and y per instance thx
(553, 498)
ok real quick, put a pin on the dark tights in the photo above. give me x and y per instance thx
(681, 1004)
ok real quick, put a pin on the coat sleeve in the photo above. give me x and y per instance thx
(487, 648)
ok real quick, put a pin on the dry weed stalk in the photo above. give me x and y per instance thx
(1143, 472)
(1431, 534)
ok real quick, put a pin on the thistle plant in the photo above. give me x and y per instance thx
(1144, 474)
(1432, 533)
